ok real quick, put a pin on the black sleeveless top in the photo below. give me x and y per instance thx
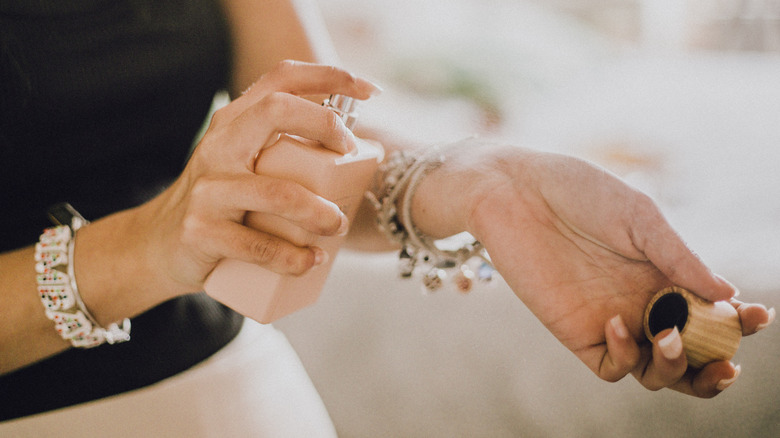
(101, 100)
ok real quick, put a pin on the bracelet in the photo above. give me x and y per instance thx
(59, 292)
(402, 173)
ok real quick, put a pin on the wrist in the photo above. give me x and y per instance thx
(113, 269)
(451, 198)
(393, 198)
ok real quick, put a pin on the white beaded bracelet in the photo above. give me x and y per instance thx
(402, 173)
(59, 292)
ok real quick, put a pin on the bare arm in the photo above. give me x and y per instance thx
(112, 278)
(133, 260)
(578, 246)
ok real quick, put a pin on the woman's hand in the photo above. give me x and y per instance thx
(199, 219)
(585, 252)
(135, 259)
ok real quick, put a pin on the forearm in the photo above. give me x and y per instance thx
(112, 280)
(26, 335)
(447, 198)
(114, 267)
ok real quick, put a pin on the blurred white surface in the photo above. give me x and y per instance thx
(699, 131)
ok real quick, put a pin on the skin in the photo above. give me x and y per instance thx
(580, 248)
(586, 262)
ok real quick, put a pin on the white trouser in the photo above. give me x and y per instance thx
(255, 386)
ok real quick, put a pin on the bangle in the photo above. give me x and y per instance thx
(402, 173)
(59, 292)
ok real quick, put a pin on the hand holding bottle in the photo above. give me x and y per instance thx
(199, 220)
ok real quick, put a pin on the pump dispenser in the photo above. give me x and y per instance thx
(266, 296)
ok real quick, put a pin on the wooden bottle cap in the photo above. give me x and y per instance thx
(709, 331)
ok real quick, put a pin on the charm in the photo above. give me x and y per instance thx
(59, 233)
(464, 280)
(49, 259)
(406, 263)
(52, 277)
(434, 279)
(485, 272)
(56, 297)
(70, 325)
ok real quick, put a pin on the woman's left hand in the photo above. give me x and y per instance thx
(585, 252)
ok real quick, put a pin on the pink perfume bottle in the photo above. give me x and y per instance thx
(266, 296)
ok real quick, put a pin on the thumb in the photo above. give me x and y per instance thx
(664, 247)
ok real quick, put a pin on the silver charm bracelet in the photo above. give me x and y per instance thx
(401, 174)
(57, 288)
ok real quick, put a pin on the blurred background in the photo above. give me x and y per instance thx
(679, 97)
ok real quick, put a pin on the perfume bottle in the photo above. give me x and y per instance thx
(266, 296)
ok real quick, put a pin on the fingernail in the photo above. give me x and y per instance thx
(772, 315)
(320, 256)
(725, 383)
(671, 345)
(343, 226)
(619, 326)
(351, 142)
(376, 91)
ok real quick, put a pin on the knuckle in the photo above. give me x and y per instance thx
(611, 376)
(331, 120)
(265, 250)
(610, 371)
(271, 102)
(656, 383)
(708, 394)
(334, 126)
(220, 116)
(274, 105)
(202, 188)
(645, 206)
(647, 378)
(614, 378)
(193, 230)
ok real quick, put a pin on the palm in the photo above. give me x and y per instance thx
(573, 285)
(578, 247)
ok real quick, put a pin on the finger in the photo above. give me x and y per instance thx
(301, 78)
(667, 364)
(669, 253)
(754, 317)
(710, 381)
(277, 113)
(224, 239)
(266, 250)
(304, 78)
(622, 352)
(279, 197)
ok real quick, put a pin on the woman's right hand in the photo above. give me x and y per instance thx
(199, 219)
(133, 260)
